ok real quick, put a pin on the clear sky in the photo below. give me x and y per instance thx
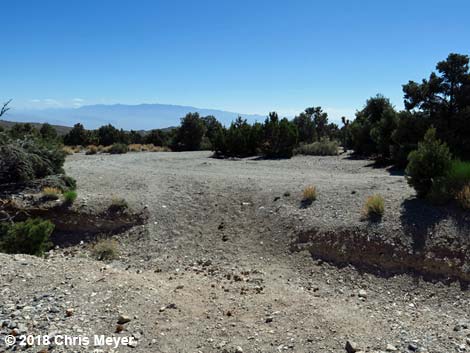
(245, 56)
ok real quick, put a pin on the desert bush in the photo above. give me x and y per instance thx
(431, 161)
(77, 136)
(280, 137)
(410, 130)
(153, 148)
(310, 193)
(29, 159)
(189, 135)
(157, 137)
(106, 250)
(444, 99)
(70, 182)
(372, 129)
(374, 207)
(135, 147)
(463, 197)
(118, 148)
(68, 150)
(29, 237)
(91, 149)
(51, 193)
(70, 196)
(48, 132)
(118, 204)
(108, 135)
(324, 147)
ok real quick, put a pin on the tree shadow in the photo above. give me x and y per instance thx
(419, 218)
(305, 203)
(387, 166)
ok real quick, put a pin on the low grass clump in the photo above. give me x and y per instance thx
(118, 204)
(152, 148)
(310, 193)
(70, 196)
(71, 149)
(324, 147)
(135, 147)
(106, 250)
(68, 150)
(91, 149)
(463, 197)
(118, 148)
(374, 207)
(30, 237)
(50, 193)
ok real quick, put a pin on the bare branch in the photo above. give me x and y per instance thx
(5, 108)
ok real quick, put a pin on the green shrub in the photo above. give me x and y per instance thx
(374, 207)
(118, 148)
(70, 196)
(70, 182)
(324, 147)
(240, 140)
(30, 237)
(280, 137)
(431, 161)
(29, 159)
(106, 250)
(458, 176)
(190, 133)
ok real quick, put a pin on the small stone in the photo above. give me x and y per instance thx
(390, 348)
(238, 349)
(351, 347)
(362, 293)
(69, 312)
(123, 319)
(22, 328)
(54, 309)
(119, 328)
(413, 347)
(461, 326)
(269, 319)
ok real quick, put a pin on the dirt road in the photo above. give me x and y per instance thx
(213, 269)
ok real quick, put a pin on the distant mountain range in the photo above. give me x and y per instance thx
(128, 117)
(61, 130)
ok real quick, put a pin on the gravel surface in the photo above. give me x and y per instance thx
(213, 269)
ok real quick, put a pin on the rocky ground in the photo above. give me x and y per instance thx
(217, 267)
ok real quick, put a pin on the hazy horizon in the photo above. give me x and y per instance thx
(247, 57)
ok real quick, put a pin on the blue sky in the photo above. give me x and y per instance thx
(244, 56)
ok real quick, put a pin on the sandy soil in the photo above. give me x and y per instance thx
(213, 269)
